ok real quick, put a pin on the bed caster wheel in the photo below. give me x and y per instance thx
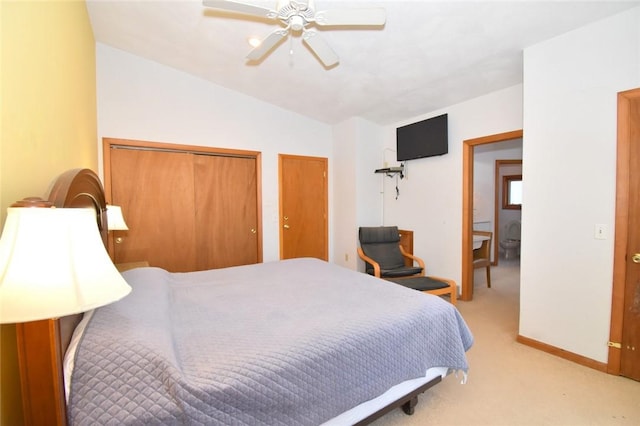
(410, 406)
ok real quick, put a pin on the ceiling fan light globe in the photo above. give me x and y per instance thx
(297, 23)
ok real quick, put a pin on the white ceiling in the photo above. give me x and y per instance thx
(430, 54)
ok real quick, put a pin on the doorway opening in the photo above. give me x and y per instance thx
(467, 204)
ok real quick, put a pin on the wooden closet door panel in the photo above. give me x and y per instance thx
(226, 211)
(155, 191)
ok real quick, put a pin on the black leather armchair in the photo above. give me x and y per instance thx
(385, 258)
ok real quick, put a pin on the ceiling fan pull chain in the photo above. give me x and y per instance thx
(291, 47)
(291, 51)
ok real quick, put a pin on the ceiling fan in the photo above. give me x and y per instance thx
(295, 16)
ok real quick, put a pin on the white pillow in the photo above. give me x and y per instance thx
(70, 355)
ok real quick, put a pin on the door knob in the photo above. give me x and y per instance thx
(286, 226)
(119, 240)
(636, 258)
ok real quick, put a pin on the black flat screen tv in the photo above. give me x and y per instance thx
(426, 138)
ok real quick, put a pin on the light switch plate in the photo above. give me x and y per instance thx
(600, 232)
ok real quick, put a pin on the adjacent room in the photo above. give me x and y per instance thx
(255, 166)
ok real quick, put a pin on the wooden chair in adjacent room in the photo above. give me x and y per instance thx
(482, 255)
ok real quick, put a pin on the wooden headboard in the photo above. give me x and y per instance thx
(42, 344)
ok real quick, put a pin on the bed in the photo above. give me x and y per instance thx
(292, 342)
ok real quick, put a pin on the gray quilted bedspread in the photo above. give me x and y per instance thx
(295, 342)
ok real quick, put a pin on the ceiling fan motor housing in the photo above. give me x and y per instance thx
(295, 14)
(297, 23)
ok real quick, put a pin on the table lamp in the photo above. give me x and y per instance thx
(53, 263)
(115, 220)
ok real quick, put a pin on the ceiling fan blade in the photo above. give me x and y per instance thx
(319, 46)
(246, 9)
(267, 44)
(369, 16)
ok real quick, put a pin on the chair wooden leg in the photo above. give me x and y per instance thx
(488, 276)
(453, 296)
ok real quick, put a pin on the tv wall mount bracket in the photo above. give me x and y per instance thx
(393, 172)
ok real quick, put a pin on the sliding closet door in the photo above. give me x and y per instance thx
(155, 190)
(226, 211)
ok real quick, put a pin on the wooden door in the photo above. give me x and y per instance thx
(227, 217)
(155, 190)
(630, 351)
(303, 207)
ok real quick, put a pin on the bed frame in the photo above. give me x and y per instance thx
(42, 344)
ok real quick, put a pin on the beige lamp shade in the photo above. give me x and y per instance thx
(115, 220)
(53, 263)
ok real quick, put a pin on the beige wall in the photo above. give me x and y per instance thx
(47, 121)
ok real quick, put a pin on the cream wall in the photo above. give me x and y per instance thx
(48, 95)
(345, 189)
(569, 164)
(357, 147)
(141, 99)
(48, 121)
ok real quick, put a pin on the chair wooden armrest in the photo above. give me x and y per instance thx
(376, 265)
(416, 259)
